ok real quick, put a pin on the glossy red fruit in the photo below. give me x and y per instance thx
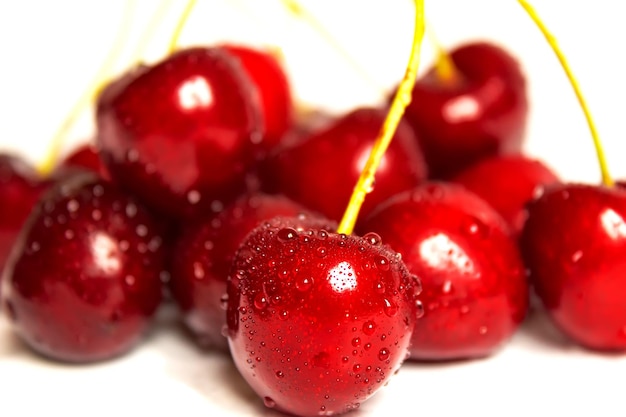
(475, 291)
(318, 322)
(83, 282)
(483, 113)
(20, 188)
(202, 257)
(86, 157)
(508, 183)
(574, 243)
(271, 81)
(320, 171)
(181, 134)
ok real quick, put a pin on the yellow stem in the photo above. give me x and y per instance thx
(401, 100)
(444, 66)
(148, 34)
(49, 162)
(296, 9)
(606, 177)
(181, 24)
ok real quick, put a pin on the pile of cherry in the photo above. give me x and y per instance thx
(206, 188)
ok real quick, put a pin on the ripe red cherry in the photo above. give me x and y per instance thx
(272, 84)
(180, 134)
(475, 292)
(507, 183)
(482, 113)
(318, 321)
(574, 243)
(83, 282)
(203, 254)
(86, 157)
(20, 188)
(307, 170)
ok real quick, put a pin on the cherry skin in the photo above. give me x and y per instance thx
(475, 291)
(481, 113)
(20, 188)
(84, 281)
(180, 135)
(574, 243)
(85, 157)
(317, 321)
(272, 84)
(307, 170)
(202, 256)
(507, 183)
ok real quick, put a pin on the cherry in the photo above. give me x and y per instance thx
(86, 157)
(272, 84)
(307, 170)
(507, 183)
(481, 111)
(181, 134)
(475, 289)
(83, 281)
(20, 188)
(317, 321)
(202, 256)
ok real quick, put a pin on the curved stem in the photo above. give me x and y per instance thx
(401, 100)
(296, 9)
(49, 162)
(148, 34)
(444, 66)
(606, 177)
(181, 24)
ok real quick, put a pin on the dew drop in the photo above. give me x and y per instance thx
(260, 301)
(383, 354)
(283, 315)
(322, 234)
(269, 402)
(356, 341)
(373, 239)
(286, 234)
(280, 374)
(321, 251)
(379, 287)
(446, 287)
(419, 308)
(369, 327)
(193, 197)
(390, 308)
(382, 262)
(356, 367)
(304, 283)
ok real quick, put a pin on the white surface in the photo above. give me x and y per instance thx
(50, 51)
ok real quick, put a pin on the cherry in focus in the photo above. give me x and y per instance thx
(480, 112)
(320, 171)
(475, 291)
(202, 256)
(181, 134)
(574, 243)
(84, 281)
(318, 321)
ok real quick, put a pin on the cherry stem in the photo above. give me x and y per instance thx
(50, 161)
(155, 21)
(296, 9)
(606, 177)
(401, 100)
(181, 24)
(445, 69)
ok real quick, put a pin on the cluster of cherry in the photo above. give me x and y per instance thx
(204, 187)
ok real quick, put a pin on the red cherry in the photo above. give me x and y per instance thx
(85, 157)
(475, 289)
(272, 84)
(320, 171)
(83, 282)
(202, 257)
(20, 188)
(318, 321)
(483, 112)
(180, 134)
(507, 183)
(574, 243)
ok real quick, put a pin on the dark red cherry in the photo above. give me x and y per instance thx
(574, 243)
(202, 257)
(181, 134)
(318, 321)
(83, 281)
(20, 188)
(475, 291)
(507, 183)
(272, 84)
(320, 171)
(482, 113)
(86, 157)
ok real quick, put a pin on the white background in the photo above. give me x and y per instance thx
(52, 49)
